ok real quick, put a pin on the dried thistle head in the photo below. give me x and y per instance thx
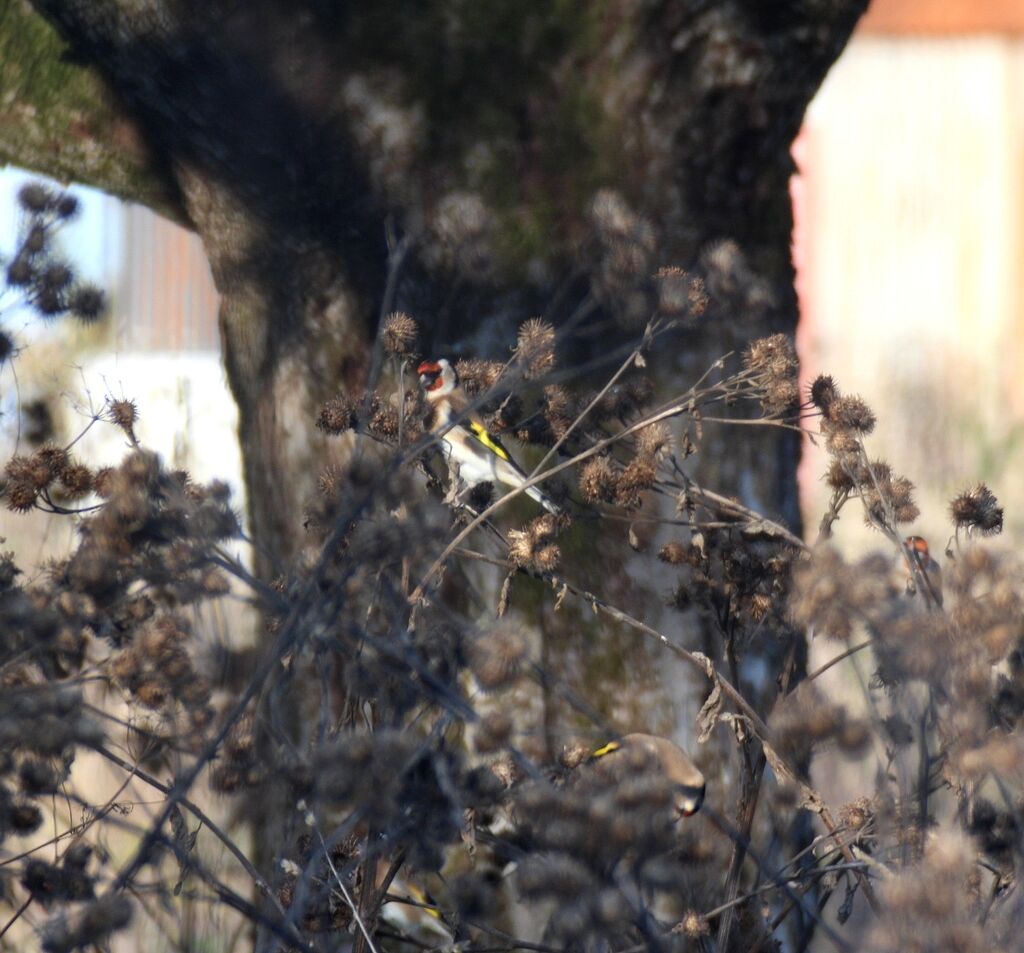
(461, 225)
(399, 334)
(840, 442)
(478, 376)
(886, 497)
(774, 366)
(337, 415)
(533, 547)
(977, 508)
(535, 348)
(929, 905)
(851, 413)
(653, 441)
(839, 475)
(76, 480)
(497, 656)
(87, 303)
(123, 413)
(599, 480)
(680, 293)
(558, 410)
(383, 421)
(823, 392)
(693, 925)
(7, 346)
(638, 475)
(36, 198)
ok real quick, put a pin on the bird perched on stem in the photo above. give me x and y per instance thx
(634, 753)
(927, 572)
(479, 455)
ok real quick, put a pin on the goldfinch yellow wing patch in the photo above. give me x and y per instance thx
(481, 434)
(607, 749)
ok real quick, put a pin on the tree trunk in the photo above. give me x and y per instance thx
(290, 138)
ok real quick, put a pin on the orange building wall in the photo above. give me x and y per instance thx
(944, 17)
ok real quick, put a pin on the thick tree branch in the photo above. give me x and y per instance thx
(58, 118)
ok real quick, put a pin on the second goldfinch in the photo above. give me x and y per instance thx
(929, 573)
(480, 456)
(634, 753)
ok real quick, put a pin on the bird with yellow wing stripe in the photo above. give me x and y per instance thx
(479, 455)
(631, 754)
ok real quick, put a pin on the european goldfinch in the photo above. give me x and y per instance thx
(630, 754)
(930, 571)
(479, 455)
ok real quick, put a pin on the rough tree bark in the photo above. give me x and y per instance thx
(291, 137)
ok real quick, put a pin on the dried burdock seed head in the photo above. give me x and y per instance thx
(773, 356)
(48, 301)
(76, 479)
(47, 464)
(901, 497)
(496, 657)
(66, 206)
(839, 476)
(492, 732)
(824, 392)
(857, 814)
(87, 303)
(620, 227)
(543, 528)
(531, 547)
(477, 376)
(23, 817)
(35, 197)
(7, 346)
(384, 422)
(680, 293)
(461, 226)
(123, 413)
(653, 441)
(547, 558)
(535, 348)
(638, 391)
(55, 277)
(20, 272)
(877, 473)
(103, 482)
(87, 926)
(331, 481)
(21, 496)
(637, 476)
(851, 413)
(840, 442)
(781, 398)
(977, 508)
(822, 594)
(599, 482)
(773, 362)
(693, 925)
(399, 334)
(673, 553)
(337, 415)
(558, 410)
